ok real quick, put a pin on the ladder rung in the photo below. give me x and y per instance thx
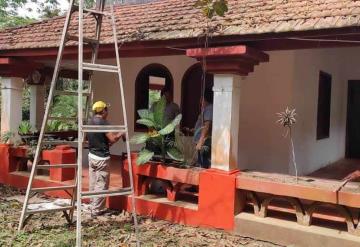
(85, 39)
(56, 166)
(103, 128)
(58, 92)
(100, 67)
(91, 11)
(45, 210)
(63, 118)
(45, 189)
(105, 193)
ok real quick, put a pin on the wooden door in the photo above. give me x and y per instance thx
(353, 121)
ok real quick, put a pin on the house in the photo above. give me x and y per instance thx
(264, 56)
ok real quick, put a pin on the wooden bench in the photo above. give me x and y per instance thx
(306, 195)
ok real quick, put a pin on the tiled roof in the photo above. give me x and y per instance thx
(175, 19)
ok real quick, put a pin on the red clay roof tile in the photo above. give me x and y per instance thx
(172, 19)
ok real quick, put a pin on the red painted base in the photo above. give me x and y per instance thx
(62, 154)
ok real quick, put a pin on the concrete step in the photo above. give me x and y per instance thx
(290, 233)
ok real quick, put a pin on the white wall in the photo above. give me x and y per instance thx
(265, 92)
(289, 79)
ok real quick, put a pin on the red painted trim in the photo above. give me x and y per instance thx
(229, 59)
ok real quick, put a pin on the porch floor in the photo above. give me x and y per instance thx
(338, 170)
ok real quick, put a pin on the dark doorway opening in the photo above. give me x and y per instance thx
(191, 94)
(353, 120)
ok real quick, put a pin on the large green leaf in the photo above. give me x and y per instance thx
(171, 126)
(139, 138)
(159, 111)
(145, 113)
(175, 154)
(144, 157)
(147, 122)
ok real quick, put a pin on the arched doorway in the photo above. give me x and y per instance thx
(149, 82)
(191, 94)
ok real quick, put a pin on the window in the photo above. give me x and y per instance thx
(324, 106)
(155, 86)
(149, 83)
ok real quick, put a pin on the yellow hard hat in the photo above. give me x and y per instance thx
(99, 106)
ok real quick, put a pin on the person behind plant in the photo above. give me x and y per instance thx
(202, 130)
(99, 156)
(170, 113)
(171, 108)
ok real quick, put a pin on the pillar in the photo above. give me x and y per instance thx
(225, 130)
(221, 203)
(11, 102)
(37, 109)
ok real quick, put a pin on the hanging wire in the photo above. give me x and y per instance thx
(203, 76)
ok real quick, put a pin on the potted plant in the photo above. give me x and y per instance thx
(158, 141)
(26, 132)
(7, 138)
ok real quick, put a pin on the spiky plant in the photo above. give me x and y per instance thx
(156, 138)
(287, 119)
(8, 137)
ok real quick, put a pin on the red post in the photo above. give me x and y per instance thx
(5, 162)
(62, 154)
(217, 198)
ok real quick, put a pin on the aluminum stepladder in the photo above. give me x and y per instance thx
(77, 194)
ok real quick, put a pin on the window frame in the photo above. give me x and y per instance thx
(324, 106)
(142, 84)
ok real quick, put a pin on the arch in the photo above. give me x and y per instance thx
(142, 87)
(191, 94)
(294, 202)
(343, 211)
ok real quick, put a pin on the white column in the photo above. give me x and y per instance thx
(37, 95)
(33, 104)
(225, 129)
(11, 102)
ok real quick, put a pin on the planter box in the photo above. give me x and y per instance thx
(19, 152)
(143, 174)
(62, 154)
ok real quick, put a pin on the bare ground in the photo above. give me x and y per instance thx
(115, 230)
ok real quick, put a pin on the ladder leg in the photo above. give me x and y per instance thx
(73, 199)
(133, 201)
(43, 126)
(80, 123)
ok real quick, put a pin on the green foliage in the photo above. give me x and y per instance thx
(154, 96)
(144, 156)
(46, 9)
(157, 136)
(186, 146)
(7, 137)
(159, 113)
(140, 138)
(25, 128)
(211, 8)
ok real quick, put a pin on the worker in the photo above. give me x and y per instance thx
(99, 156)
(202, 130)
(171, 109)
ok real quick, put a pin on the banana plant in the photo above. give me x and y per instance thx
(157, 137)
